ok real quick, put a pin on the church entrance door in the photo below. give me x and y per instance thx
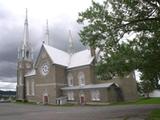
(45, 100)
(82, 101)
(82, 97)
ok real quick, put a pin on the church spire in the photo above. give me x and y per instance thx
(46, 40)
(25, 62)
(25, 51)
(70, 49)
(26, 32)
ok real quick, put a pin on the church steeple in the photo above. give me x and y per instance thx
(70, 49)
(26, 32)
(46, 39)
(25, 51)
(25, 62)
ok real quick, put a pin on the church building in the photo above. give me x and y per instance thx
(59, 77)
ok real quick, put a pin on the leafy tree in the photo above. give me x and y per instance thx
(106, 26)
(146, 87)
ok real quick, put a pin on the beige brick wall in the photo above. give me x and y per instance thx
(128, 86)
(60, 74)
(22, 69)
(57, 78)
(30, 97)
(50, 89)
(88, 72)
(105, 95)
(45, 84)
(112, 94)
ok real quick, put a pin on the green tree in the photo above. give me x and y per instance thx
(106, 26)
(146, 87)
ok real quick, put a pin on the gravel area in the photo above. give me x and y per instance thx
(13, 111)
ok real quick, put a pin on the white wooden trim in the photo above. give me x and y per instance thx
(28, 87)
(32, 88)
(49, 84)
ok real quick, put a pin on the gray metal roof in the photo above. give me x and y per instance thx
(91, 86)
(30, 73)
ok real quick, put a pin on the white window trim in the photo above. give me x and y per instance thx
(27, 86)
(33, 89)
(81, 78)
(95, 95)
(70, 79)
(20, 79)
(70, 95)
(70, 82)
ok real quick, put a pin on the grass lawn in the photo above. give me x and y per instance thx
(140, 101)
(148, 101)
(154, 115)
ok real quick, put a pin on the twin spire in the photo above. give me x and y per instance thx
(46, 39)
(26, 43)
(26, 33)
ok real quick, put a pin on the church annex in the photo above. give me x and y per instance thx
(58, 77)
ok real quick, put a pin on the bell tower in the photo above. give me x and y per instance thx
(24, 61)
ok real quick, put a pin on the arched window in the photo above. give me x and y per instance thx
(20, 79)
(70, 95)
(70, 79)
(27, 86)
(95, 95)
(33, 90)
(27, 54)
(81, 78)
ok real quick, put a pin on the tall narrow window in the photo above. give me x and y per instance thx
(27, 54)
(95, 95)
(81, 78)
(33, 90)
(20, 79)
(70, 95)
(27, 86)
(70, 79)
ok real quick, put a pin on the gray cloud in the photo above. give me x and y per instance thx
(8, 79)
(7, 69)
(4, 13)
(7, 86)
(12, 35)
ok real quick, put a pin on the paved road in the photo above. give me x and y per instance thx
(11, 111)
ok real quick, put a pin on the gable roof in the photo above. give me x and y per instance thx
(80, 58)
(57, 56)
(70, 61)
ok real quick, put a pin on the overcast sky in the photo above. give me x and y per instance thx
(61, 15)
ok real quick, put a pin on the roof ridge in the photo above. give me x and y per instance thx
(63, 58)
(55, 48)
